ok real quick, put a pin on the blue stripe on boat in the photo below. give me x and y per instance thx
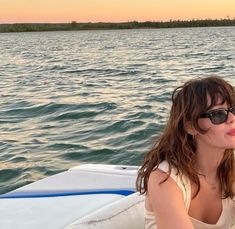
(60, 194)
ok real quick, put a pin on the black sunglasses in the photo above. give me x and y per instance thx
(218, 116)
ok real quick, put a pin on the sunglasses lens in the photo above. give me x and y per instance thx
(218, 117)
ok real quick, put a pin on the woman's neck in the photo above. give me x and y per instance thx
(208, 160)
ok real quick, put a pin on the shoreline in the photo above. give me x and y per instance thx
(77, 26)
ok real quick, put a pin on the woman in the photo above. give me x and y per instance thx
(189, 175)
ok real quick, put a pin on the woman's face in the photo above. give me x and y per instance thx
(218, 135)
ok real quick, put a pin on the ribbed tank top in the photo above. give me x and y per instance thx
(226, 219)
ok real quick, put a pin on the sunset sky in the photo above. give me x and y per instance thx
(12, 11)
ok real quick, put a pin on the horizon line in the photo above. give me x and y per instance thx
(115, 22)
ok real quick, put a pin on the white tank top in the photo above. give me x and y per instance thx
(226, 219)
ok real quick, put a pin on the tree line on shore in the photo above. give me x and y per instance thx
(33, 27)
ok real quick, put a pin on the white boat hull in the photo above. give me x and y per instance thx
(86, 196)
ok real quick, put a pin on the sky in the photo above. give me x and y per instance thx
(25, 11)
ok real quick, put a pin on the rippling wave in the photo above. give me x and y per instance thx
(95, 96)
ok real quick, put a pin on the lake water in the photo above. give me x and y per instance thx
(68, 98)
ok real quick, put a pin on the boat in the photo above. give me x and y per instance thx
(88, 196)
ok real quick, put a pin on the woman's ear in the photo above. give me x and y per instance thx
(190, 129)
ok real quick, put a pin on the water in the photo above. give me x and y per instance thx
(68, 98)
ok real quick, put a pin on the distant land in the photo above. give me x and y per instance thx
(73, 26)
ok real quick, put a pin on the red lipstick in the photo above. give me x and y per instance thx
(231, 132)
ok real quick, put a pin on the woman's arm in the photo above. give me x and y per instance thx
(167, 202)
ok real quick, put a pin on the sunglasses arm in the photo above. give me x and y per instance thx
(205, 115)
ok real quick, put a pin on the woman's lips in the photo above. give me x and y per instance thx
(231, 132)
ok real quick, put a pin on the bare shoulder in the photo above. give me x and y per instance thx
(166, 200)
(157, 176)
(160, 180)
(162, 189)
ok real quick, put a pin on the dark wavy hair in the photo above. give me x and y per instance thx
(178, 147)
